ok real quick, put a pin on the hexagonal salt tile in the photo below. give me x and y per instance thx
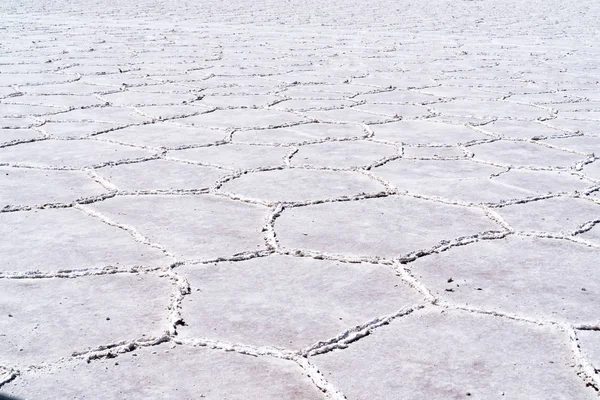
(75, 129)
(311, 104)
(238, 101)
(425, 132)
(8, 135)
(427, 152)
(66, 238)
(521, 129)
(299, 185)
(582, 144)
(115, 115)
(482, 109)
(47, 319)
(170, 372)
(388, 227)
(242, 118)
(165, 134)
(308, 300)
(394, 110)
(541, 182)
(456, 180)
(528, 276)
(441, 354)
(233, 156)
(300, 133)
(69, 153)
(342, 154)
(557, 214)
(161, 175)
(194, 227)
(29, 187)
(523, 154)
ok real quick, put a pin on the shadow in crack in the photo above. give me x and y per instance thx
(5, 397)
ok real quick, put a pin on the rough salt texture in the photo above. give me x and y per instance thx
(388, 199)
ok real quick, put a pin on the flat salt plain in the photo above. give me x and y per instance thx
(300, 199)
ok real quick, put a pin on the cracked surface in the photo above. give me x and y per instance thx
(293, 199)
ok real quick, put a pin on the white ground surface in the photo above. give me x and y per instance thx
(300, 199)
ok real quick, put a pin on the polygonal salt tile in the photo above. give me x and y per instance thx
(528, 276)
(575, 125)
(427, 152)
(521, 129)
(394, 110)
(18, 123)
(347, 115)
(443, 354)
(311, 104)
(115, 115)
(315, 89)
(29, 187)
(233, 156)
(309, 300)
(388, 227)
(69, 153)
(582, 144)
(66, 238)
(242, 118)
(75, 129)
(582, 115)
(164, 134)
(167, 112)
(483, 109)
(46, 319)
(59, 100)
(193, 227)
(117, 81)
(23, 110)
(426, 132)
(523, 154)
(129, 98)
(161, 175)
(35, 79)
(461, 92)
(16, 135)
(342, 154)
(238, 101)
(397, 96)
(299, 133)
(460, 180)
(541, 182)
(68, 88)
(557, 214)
(297, 185)
(170, 373)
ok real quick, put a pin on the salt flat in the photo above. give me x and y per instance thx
(289, 199)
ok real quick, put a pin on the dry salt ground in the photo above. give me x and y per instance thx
(300, 199)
